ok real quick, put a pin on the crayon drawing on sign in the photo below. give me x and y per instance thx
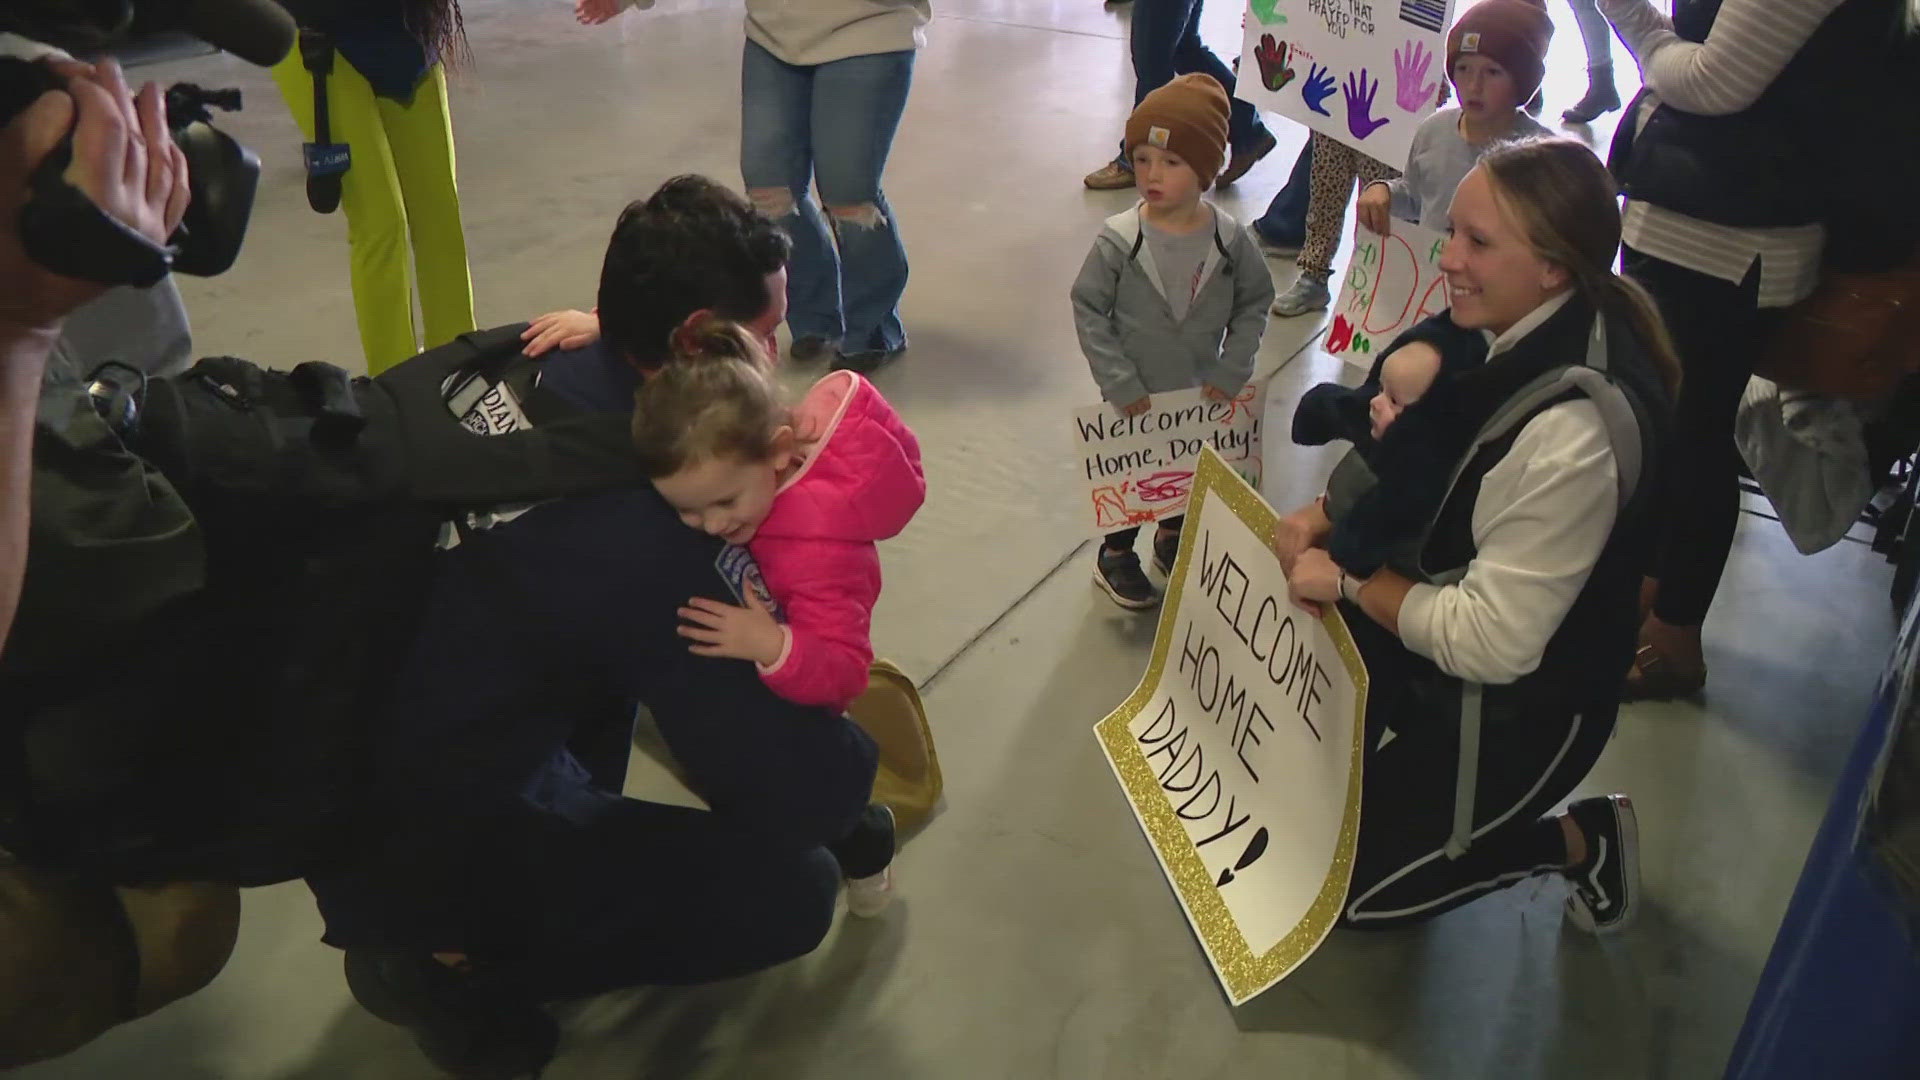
(1392, 283)
(1363, 72)
(1140, 468)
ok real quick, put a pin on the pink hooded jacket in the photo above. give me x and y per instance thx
(861, 484)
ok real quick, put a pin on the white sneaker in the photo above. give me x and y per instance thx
(869, 896)
(1309, 292)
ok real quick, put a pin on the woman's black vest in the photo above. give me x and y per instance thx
(1831, 140)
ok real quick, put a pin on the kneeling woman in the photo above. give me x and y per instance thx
(1496, 631)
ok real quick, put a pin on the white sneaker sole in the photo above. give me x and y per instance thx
(1629, 854)
(1131, 605)
(868, 897)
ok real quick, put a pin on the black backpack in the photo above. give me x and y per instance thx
(218, 597)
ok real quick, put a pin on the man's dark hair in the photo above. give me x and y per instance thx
(694, 244)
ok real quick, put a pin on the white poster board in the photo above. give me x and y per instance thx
(1139, 469)
(1392, 283)
(1240, 751)
(1365, 73)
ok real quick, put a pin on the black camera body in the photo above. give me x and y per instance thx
(60, 227)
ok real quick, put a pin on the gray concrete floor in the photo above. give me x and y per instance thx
(1036, 937)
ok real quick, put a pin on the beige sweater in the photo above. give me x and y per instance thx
(809, 32)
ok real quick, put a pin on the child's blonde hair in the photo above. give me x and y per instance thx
(713, 399)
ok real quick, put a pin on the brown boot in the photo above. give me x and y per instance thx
(1670, 663)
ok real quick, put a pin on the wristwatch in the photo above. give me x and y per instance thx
(1349, 588)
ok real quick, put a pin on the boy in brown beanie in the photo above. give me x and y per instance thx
(1496, 56)
(1174, 294)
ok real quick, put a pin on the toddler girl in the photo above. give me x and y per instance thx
(724, 451)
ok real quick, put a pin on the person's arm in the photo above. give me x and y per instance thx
(1252, 297)
(828, 590)
(23, 363)
(1542, 517)
(1751, 41)
(112, 131)
(1093, 293)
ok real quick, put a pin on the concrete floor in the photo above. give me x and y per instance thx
(1036, 937)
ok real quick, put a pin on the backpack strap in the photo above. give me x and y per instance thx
(1625, 432)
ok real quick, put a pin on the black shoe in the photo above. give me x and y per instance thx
(1607, 886)
(1537, 102)
(1601, 98)
(1166, 551)
(1119, 574)
(867, 361)
(467, 1023)
(809, 347)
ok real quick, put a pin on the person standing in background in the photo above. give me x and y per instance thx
(1597, 35)
(823, 85)
(387, 101)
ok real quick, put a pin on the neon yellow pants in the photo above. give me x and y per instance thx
(400, 187)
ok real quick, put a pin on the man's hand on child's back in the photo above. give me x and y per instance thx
(1137, 407)
(561, 330)
(1375, 209)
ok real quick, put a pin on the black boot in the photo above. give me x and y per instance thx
(1601, 97)
(468, 1023)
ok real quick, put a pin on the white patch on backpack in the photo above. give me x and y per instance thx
(740, 572)
(497, 412)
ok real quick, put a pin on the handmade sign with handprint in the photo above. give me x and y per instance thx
(1365, 72)
(1392, 282)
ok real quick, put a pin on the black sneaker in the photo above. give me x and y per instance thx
(466, 1022)
(810, 347)
(1607, 886)
(1119, 574)
(1166, 551)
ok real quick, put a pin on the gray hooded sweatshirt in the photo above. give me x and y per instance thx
(1133, 343)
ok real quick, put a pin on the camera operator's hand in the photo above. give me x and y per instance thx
(123, 159)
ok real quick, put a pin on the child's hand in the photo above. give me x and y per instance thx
(595, 12)
(561, 330)
(1137, 407)
(1375, 208)
(1214, 393)
(737, 633)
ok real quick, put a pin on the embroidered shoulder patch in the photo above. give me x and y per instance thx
(741, 573)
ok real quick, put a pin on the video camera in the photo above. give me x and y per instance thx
(60, 227)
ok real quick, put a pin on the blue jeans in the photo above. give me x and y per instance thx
(832, 123)
(1285, 221)
(1166, 42)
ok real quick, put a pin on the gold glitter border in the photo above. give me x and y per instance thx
(1243, 973)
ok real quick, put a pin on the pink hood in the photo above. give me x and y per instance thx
(863, 480)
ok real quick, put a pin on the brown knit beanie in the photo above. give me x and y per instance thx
(1511, 33)
(1186, 117)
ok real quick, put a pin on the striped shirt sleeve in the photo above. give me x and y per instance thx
(1751, 41)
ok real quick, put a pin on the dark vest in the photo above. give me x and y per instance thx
(1587, 658)
(1843, 114)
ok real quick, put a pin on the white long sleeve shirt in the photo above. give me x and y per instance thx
(1542, 517)
(1751, 42)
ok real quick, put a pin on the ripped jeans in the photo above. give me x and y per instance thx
(831, 123)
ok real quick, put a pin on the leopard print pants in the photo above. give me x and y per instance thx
(1335, 168)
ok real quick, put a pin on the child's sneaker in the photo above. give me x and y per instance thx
(869, 895)
(1166, 551)
(1119, 574)
(1607, 886)
(1309, 292)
